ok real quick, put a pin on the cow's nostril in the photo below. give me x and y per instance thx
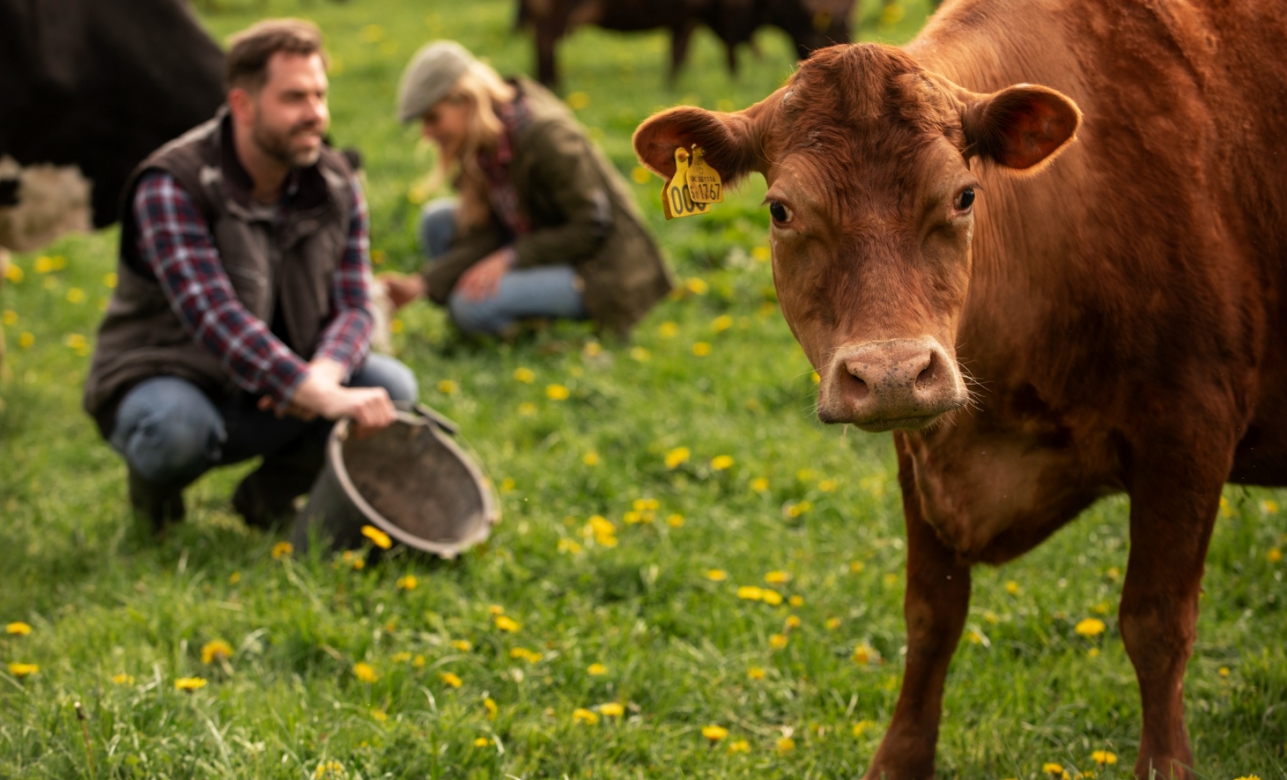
(854, 386)
(928, 374)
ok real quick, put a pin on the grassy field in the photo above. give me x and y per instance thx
(631, 633)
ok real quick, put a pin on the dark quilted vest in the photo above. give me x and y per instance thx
(270, 256)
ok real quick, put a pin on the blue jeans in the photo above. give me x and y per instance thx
(170, 432)
(547, 291)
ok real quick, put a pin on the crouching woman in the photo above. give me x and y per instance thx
(543, 227)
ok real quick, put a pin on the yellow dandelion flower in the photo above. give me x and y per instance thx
(1274, 555)
(282, 549)
(1103, 757)
(408, 582)
(75, 295)
(792, 622)
(329, 769)
(463, 645)
(612, 709)
(13, 273)
(1052, 768)
(795, 510)
(796, 601)
(22, 670)
(557, 392)
(482, 742)
(10, 317)
(701, 349)
(714, 733)
(1092, 652)
(189, 683)
(380, 716)
(816, 377)
(451, 679)
(755, 673)
(722, 323)
(17, 628)
(771, 597)
(525, 375)
(890, 579)
(109, 280)
(716, 575)
(45, 265)
(596, 670)
(641, 175)
(418, 661)
(776, 577)
(365, 672)
(862, 727)
(1249, 777)
(675, 521)
(507, 485)
(582, 715)
(490, 705)
(640, 354)
(507, 624)
(591, 458)
(522, 653)
(832, 623)
(750, 593)
(1012, 588)
(592, 349)
(569, 546)
(358, 563)
(759, 484)
(496, 609)
(1223, 671)
(778, 641)
(697, 286)
(401, 657)
(234, 578)
(396, 325)
(75, 341)
(527, 409)
(722, 462)
(785, 745)
(828, 485)
(668, 330)
(378, 538)
(740, 746)
(862, 654)
(26, 339)
(761, 254)
(676, 457)
(1089, 627)
(448, 387)
(218, 650)
(577, 101)
(123, 679)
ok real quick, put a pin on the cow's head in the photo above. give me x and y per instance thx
(870, 162)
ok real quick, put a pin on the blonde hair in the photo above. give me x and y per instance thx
(483, 89)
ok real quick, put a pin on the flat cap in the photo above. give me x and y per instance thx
(430, 76)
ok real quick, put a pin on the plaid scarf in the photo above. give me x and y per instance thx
(515, 117)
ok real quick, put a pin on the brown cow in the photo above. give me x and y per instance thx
(810, 23)
(1121, 314)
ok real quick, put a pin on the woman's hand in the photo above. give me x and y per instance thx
(404, 289)
(482, 280)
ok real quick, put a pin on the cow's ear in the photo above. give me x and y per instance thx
(731, 142)
(1020, 127)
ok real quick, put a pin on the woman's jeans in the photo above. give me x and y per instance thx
(545, 291)
(170, 432)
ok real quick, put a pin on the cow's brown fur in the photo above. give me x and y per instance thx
(1121, 313)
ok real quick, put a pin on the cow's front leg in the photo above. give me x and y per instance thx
(935, 607)
(1172, 513)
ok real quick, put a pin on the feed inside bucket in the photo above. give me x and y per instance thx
(418, 481)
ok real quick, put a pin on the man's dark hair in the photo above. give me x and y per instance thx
(250, 50)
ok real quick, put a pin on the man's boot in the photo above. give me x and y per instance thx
(159, 504)
(266, 497)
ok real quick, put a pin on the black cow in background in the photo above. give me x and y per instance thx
(99, 84)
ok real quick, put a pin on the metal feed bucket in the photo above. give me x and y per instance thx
(410, 480)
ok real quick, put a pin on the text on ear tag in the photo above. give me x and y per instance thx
(704, 182)
(675, 198)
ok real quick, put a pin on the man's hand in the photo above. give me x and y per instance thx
(321, 393)
(482, 280)
(404, 289)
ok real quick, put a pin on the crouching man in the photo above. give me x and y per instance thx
(240, 325)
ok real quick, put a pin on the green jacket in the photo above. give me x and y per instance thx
(581, 214)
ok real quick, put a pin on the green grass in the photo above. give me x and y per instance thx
(105, 599)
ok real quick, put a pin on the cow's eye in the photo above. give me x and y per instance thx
(965, 199)
(779, 212)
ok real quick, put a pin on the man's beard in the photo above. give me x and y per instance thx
(277, 145)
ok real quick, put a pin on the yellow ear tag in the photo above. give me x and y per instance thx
(675, 198)
(704, 183)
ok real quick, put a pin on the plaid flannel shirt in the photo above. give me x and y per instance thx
(175, 241)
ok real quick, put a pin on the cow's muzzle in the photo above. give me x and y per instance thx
(882, 385)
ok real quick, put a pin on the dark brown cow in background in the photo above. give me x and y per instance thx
(811, 24)
(1123, 314)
